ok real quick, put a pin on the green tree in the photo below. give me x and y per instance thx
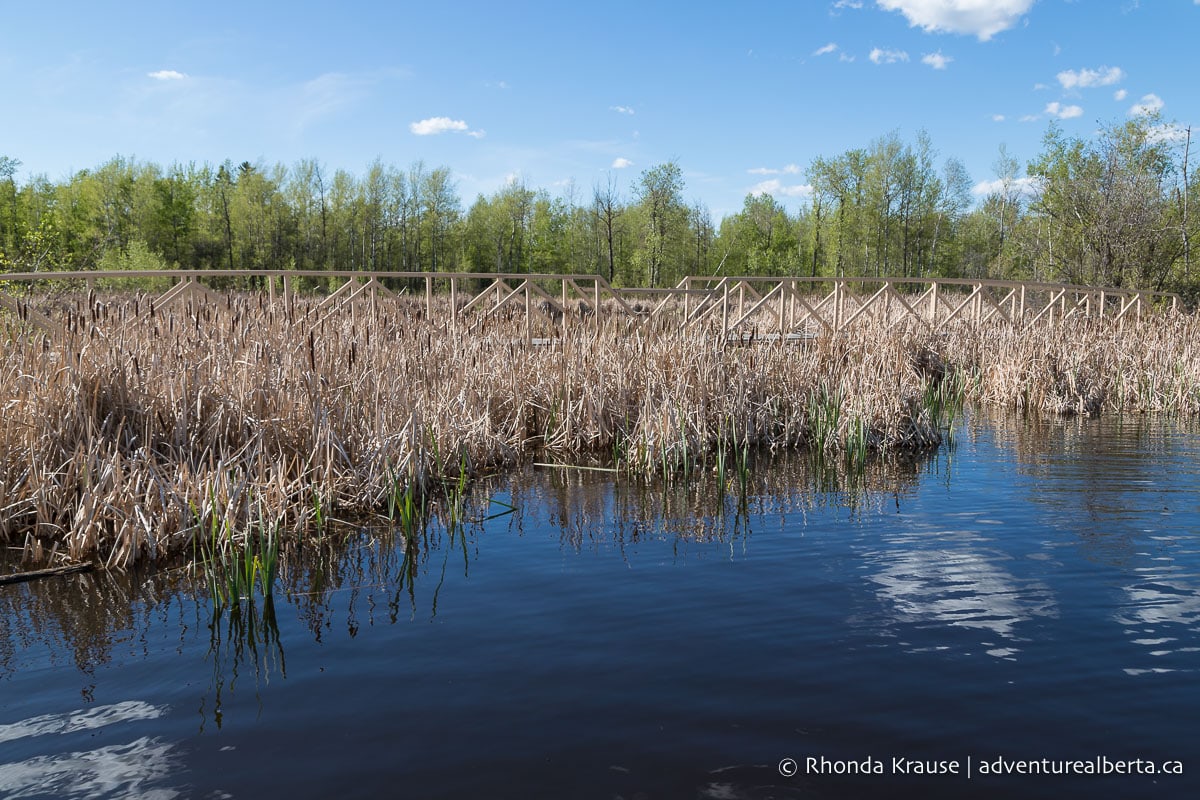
(1110, 202)
(172, 220)
(660, 200)
(838, 184)
(608, 220)
(440, 210)
(306, 193)
(8, 208)
(498, 230)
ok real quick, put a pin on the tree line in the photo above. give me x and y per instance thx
(1113, 210)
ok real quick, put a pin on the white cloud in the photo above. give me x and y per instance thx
(1029, 118)
(166, 75)
(857, 4)
(826, 50)
(1040, 87)
(1088, 78)
(980, 18)
(776, 188)
(1025, 187)
(790, 169)
(436, 125)
(997, 118)
(1151, 104)
(1121, 94)
(845, 57)
(1057, 109)
(622, 163)
(1171, 132)
(621, 109)
(887, 56)
(936, 60)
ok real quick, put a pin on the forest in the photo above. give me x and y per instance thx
(1110, 210)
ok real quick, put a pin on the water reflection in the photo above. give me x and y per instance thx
(943, 568)
(125, 770)
(134, 769)
(591, 510)
(1160, 600)
(957, 582)
(818, 610)
(1161, 614)
(86, 619)
(243, 636)
(1123, 490)
(81, 720)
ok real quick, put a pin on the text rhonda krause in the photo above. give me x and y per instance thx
(898, 765)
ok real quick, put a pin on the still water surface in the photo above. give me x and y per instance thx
(1030, 592)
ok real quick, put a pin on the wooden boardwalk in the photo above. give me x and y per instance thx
(783, 309)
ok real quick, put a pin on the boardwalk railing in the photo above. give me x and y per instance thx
(729, 306)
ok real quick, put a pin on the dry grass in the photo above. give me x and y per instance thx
(141, 431)
(1084, 367)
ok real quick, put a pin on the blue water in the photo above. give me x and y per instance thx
(1030, 592)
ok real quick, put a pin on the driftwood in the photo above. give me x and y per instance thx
(19, 577)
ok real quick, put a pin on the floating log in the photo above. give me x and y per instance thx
(33, 575)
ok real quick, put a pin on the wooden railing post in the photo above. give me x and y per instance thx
(782, 312)
(528, 315)
(564, 308)
(792, 307)
(724, 312)
(838, 291)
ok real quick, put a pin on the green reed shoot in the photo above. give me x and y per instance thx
(858, 437)
(236, 568)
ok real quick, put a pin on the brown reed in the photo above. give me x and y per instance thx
(141, 430)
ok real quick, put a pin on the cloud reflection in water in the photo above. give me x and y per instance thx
(137, 769)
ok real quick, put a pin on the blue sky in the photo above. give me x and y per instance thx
(744, 96)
